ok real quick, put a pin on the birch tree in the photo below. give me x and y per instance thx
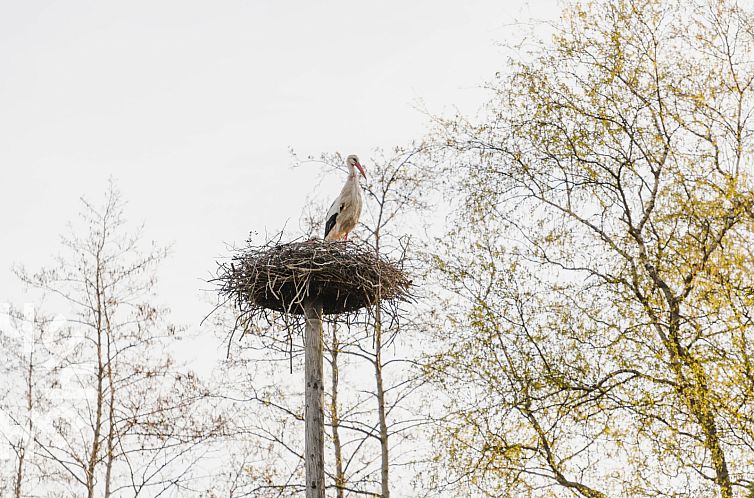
(603, 343)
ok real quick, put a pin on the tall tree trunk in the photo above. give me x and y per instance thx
(314, 419)
(110, 456)
(94, 452)
(340, 478)
(29, 425)
(381, 412)
(385, 463)
(697, 396)
(694, 391)
(19, 469)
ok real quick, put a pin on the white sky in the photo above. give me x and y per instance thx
(192, 106)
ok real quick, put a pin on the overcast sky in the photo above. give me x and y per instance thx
(192, 106)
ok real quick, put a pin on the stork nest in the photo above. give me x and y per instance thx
(344, 276)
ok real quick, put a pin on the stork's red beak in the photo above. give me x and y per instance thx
(361, 170)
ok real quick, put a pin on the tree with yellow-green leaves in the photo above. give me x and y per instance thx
(602, 341)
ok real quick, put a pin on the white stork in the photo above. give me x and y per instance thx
(344, 213)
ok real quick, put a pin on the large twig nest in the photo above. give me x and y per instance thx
(344, 276)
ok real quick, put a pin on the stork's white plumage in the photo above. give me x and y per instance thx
(344, 213)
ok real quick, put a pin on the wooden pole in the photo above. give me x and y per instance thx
(314, 418)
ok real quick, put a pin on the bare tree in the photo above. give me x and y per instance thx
(124, 416)
(28, 367)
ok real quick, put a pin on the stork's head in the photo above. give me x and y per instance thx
(353, 161)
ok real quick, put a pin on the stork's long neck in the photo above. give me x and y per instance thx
(352, 182)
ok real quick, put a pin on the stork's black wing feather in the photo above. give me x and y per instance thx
(330, 224)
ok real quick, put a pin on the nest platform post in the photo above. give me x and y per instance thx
(312, 278)
(314, 417)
